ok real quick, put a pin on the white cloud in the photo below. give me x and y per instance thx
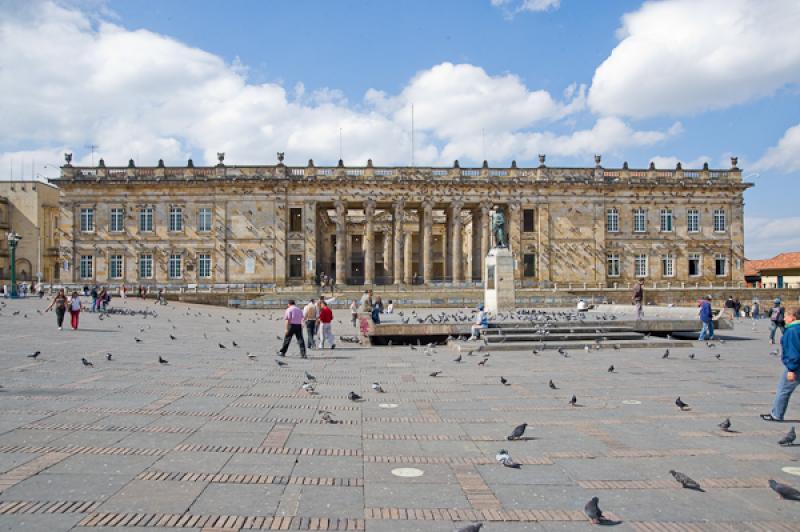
(766, 237)
(685, 56)
(510, 7)
(785, 156)
(142, 95)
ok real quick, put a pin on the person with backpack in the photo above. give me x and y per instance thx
(790, 356)
(777, 321)
(707, 319)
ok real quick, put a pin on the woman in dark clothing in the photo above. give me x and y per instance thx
(60, 303)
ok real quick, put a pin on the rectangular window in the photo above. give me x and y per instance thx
(204, 219)
(639, 221)
(87, 266)
(87, 220)
(295, 266)
(720, 265)
(719, 221)
(146, 220)
(115, 270)
(528, 221)
(693, 221)
(529, 263)
(146, 266)
(667, 266)
(175, 219)
(612, 263)
(204, 265)
(694, 265)
(612, 220)
(117, 224)
(295, 219)
(640, 266)
(666, 220)
(175, 266)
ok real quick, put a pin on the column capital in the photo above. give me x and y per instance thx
(369, 207)
(341, 207)
(485, 206)
(457, 205)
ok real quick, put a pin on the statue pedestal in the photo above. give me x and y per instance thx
(498, 288)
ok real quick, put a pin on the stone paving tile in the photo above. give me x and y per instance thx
(103, 465)
(231, 499)
(195, 462)
(147, 496)
(80, 486)
(38, 523)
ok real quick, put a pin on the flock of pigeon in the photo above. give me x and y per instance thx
(503, 457)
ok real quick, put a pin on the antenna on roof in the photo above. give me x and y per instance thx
(92, 147)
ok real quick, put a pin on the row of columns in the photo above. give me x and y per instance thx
(398, 251)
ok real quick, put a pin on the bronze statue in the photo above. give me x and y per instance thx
(280, 157)
(499, 229)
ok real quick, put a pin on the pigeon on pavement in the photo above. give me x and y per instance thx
(685, 481)
(680, 404)
(611, 368)
(470, 528)
(518, 431)
(87, 363)
(593, 512)
(435, 373)
(162, 360)
(281, 363)
(377, 387)
(504, 459)
(353, 396)
(573, 401)
(784, 491)
(503, 381)
(789, 438)
(34, 355)
(552, 385)
(725, 425)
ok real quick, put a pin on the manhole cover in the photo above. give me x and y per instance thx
(631, 402)
(791, 470)
(387, 405)
(407, 472)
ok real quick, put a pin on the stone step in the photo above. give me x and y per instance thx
(501, 329)
(576, 347)
(562, 337)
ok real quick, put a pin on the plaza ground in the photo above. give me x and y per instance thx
(217, 441)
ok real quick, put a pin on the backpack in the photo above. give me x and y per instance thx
(775, 313)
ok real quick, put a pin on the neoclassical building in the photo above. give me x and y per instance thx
(285, 225)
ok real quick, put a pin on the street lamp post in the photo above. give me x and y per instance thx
(13, 238)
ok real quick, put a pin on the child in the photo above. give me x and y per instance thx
(790, 347)
(390, 307)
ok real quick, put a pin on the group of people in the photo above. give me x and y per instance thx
(23, 289)
(100, 298)
(318, 319)
(61, 303)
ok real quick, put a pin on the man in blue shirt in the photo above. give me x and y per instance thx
(707, 332)
(790, 347)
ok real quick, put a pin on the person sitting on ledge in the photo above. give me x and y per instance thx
(481, 322)
(583, 306)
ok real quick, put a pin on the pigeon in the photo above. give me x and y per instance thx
(784, 491)
(108, 356)
(685, 481)
(789, 438)
(503, 381)
(278, 337)
(377, 387)
(725, 425)
(172, 337)
(308, 387)
(573, 401)
(327, 417)
(281, 363)
(475, 527)
(87, 363)
(691, 356)
(593, 511)
(353, 396)
(718, 356)
(666, 354)
(310, 377)
(518, 431)
(234, 343)
(435, 373)
(552, 385)
(221, 346)
(34, 355)
(483, 362)
(680, 404)
(251, 356)
(457, 359)
(504, 458)
(562, 352)
(138, 340)
(611, 368)
(162, 360)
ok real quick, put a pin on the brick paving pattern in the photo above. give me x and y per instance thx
(214, 441)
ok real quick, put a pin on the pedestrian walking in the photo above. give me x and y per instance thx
(60, 304)
(737, 308)
(790, 349)
(123, 293)
(638, 298)
(756, 310)
(294, 327)
(706, 318)
(94, 293)
(776, 319)
(354, 312)
(310, 318)
(326, 326)
(74, 310)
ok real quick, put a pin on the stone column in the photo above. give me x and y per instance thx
(477, 235)
(515, 237)
(310, 236)
(399, 207)
(427, 242)
(388, 258)
(341, 243)
(457, 253)
(369, 242)
(486, 234)
(407, 258)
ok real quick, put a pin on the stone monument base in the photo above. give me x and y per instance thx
(499, 285)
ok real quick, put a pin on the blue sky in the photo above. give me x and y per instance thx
(667, 80)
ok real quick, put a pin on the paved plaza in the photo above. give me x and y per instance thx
(216, 440)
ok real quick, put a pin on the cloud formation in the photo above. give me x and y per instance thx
(683, 56)
(766, 237)
(143, 95)
(510, 7)
(784, 157)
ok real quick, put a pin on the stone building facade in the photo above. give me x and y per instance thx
(283, 225)
(30, 209)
